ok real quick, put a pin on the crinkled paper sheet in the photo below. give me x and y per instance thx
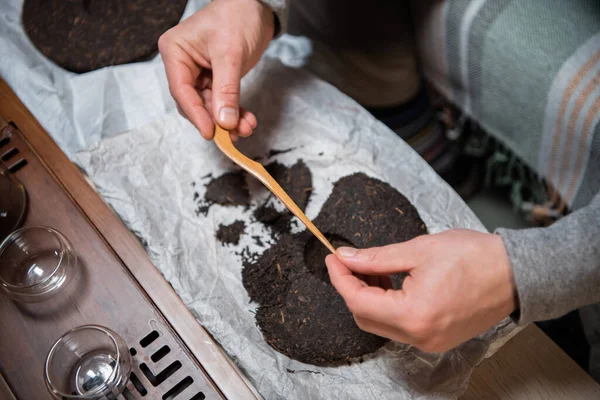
(148, 176)
(118, 124)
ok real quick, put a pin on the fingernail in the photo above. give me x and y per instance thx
(347, 252)
(228, 116)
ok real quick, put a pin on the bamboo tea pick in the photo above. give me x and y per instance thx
(224, 144)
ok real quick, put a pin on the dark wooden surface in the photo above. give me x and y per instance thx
(103, 292)
(5, 392)
(230, 381)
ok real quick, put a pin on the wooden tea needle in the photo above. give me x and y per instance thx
(224, 144)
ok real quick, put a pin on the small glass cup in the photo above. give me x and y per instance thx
(88, 362)
(35, 264)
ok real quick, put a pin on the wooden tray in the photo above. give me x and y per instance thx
(116, 286)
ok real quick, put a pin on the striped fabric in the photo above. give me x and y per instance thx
(529, 73)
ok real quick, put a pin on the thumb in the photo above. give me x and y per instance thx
(227, 73)
(383, 260)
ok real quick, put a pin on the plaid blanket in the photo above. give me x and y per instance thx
(528, 72)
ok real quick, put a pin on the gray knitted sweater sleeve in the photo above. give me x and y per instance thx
(556, 269)
(280, 8)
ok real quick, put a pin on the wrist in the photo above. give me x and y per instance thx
(505, 275)
(271, 25)
(277, 14)
(268, 19)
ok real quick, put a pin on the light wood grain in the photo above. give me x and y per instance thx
(530, 367)
(218, 366)
(223, 141)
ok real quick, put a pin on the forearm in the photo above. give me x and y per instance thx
(556, 269)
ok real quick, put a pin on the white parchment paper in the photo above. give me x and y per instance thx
(118, 124)
(148, 176)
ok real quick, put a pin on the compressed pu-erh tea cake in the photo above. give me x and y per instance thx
(300, 313)
(84, 35)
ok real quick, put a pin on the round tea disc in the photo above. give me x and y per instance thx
(84, 35)
(300, 313)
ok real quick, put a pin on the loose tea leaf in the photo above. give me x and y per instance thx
(230, 234)
(228, 189)
(274, 152)
(297, 182)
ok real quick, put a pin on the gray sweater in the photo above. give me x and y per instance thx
(556, 269)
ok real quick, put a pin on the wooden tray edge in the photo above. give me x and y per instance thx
(225, 374)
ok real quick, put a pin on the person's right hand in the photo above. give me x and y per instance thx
(460, 284)
(206, 56)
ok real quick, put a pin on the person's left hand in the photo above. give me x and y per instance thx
(460, 284)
